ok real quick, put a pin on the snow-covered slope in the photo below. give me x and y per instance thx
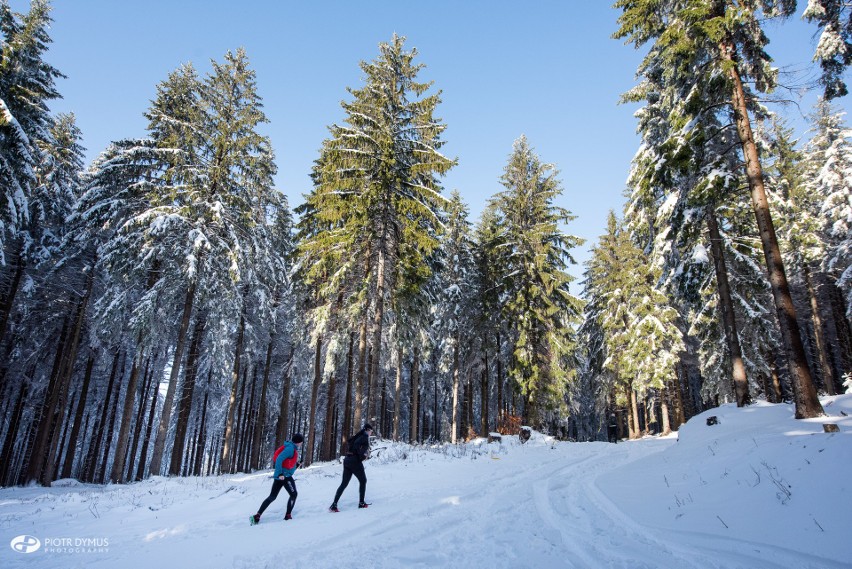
(758, 489)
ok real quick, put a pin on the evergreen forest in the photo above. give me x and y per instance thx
(165, 311)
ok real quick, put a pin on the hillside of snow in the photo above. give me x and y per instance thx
(758, 489)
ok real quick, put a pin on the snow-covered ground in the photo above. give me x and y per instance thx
(757, 490)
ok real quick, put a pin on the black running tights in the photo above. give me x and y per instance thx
(352, 466)
(290, 485)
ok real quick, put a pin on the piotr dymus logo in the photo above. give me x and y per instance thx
(26, 544)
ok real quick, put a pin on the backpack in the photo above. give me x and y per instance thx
(276, 453)
(355, 449)
(288, 462)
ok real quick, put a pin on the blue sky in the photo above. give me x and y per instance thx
(547, 69)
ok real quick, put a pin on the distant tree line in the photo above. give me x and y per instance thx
(163, 311)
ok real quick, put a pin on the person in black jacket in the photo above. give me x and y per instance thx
(353, 465)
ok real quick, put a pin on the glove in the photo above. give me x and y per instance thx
(282, 477)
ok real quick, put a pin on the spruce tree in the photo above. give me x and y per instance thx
(539, 306)
(455, 309)
(640, 340)
(489, 322)
(27, 84)
(385, 162)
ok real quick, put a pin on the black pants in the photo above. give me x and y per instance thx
(612, 433)
(352, 466)
(290, 485)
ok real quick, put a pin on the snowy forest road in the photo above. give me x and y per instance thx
(543, 504)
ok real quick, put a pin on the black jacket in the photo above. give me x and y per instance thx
(359, 446)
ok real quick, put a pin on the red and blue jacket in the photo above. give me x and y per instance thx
(287, 460)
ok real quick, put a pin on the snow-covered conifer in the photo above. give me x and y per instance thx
(540, 308)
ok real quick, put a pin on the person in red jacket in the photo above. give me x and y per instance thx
(286, 464)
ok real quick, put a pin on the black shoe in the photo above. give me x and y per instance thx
(333, 508)
(254, 520)
(288, 516)
(363, 505)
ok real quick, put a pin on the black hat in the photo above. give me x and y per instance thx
(298, 438)
(368, 427)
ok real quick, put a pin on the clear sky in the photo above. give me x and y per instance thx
(547, 69)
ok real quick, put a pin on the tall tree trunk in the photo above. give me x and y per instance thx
(226, 461)
(726, 304)
(147, 382)
(397, 393)
(361, 378)
(843, 332)
(378, 324)
(346, 430)
(635, 429)
(67, 467)
(8, 299)
(202, 434)
(469, 396)
(61, 451)
(807, 400)
(46, 447)
(184, 403)
(101, 474)
(499, 359)
(260, 422)
(168, 404)
(415, 394)
(464, 418)
(329, 437)
(311, 434)
(189, 458)
(117, 474)
(664, 410)
(89, 470)
(44, 415)
(239, 429)
(214, 453)
(650, 415)
(246, 425)
(436, 422)
(284, 409)
(65, 384)
(149, 428)
(821, 348)
(454, 433)
(12, 435)
(680, 411)
(483, 424)
(385, 427)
